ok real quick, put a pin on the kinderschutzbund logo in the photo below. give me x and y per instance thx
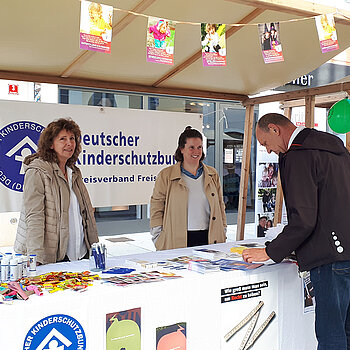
(17, 140)
(56, 332)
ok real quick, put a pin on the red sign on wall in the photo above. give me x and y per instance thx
(13, 89)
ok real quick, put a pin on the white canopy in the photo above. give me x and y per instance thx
(40, 42)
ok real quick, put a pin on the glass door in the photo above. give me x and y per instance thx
(231, 119)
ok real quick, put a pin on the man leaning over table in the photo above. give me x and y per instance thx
(315, 176)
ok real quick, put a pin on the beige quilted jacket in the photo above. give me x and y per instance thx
(43, 227)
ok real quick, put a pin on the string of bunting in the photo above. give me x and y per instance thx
(96, 35)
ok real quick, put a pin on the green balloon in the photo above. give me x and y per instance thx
(339, 116)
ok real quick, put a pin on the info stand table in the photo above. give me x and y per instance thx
(210, 304)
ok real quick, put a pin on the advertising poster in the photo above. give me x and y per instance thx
(96, 26)
(171, 337)
(308, 293)
(269, 36)
(123, 149)
(250, 314)
(160, 40)
(213, 44)
(327, 33)
(123, 330)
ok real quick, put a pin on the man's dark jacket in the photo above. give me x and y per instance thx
(315, 176)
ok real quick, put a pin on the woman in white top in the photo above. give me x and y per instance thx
(187, 207)
(57, 221)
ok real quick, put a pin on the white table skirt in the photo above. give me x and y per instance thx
(194, 299)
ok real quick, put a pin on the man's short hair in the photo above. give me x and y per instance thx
(272, 118)
(262, 217)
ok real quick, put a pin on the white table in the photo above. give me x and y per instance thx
(194, 299)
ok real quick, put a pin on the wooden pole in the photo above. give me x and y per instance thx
(243, 186)
(348, 141)
(310, 111)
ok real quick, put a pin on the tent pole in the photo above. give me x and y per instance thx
(243, 186)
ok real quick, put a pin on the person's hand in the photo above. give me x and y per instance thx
(255, 254)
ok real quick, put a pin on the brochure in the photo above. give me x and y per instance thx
(210, 254)
(228, 265)
(203, 266)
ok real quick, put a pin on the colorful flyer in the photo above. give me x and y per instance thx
(96, 26)
(327, 33)
(308, 294)
(171, 337)
(213, 44)
(270, 41)
(160, 40)
(123, 330)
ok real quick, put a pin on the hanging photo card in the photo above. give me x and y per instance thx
(96, 26)
(213, 44)
(269, 36)
(160, 40)
(327, 33)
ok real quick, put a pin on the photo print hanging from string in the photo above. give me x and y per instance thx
(270, 41)
(160, 40)
(213, 44)
(327, 33)
(96, 26)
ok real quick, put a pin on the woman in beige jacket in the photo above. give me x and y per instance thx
(187, 207)
(57, 221)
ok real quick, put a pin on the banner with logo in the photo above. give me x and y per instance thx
(213, 44)
(96, 26)
(270, 41)
(58, 332)
(327, 33)
(160, 40)
(123, 150)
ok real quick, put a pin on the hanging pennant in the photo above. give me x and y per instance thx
(96, 26)
(270, 41)
(327, 34)
(213, 44)
(160, 40)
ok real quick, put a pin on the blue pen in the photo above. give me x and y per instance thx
(120, 270)
(103, 249)
(100, 259)
(94, 253)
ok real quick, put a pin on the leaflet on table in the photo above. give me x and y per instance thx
(142, 277)
(238, 250)
(203, 266)
(142, 263)
(184, 259)
(210, 254)
(228, 265)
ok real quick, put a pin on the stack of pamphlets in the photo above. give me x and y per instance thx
(203, 266)
(140, 277)
(228, 265)
(238, 249)
(142, 263)
(210, 254)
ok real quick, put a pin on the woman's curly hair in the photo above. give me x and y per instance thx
(48, 135)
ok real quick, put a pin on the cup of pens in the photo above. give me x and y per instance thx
(97, 257)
